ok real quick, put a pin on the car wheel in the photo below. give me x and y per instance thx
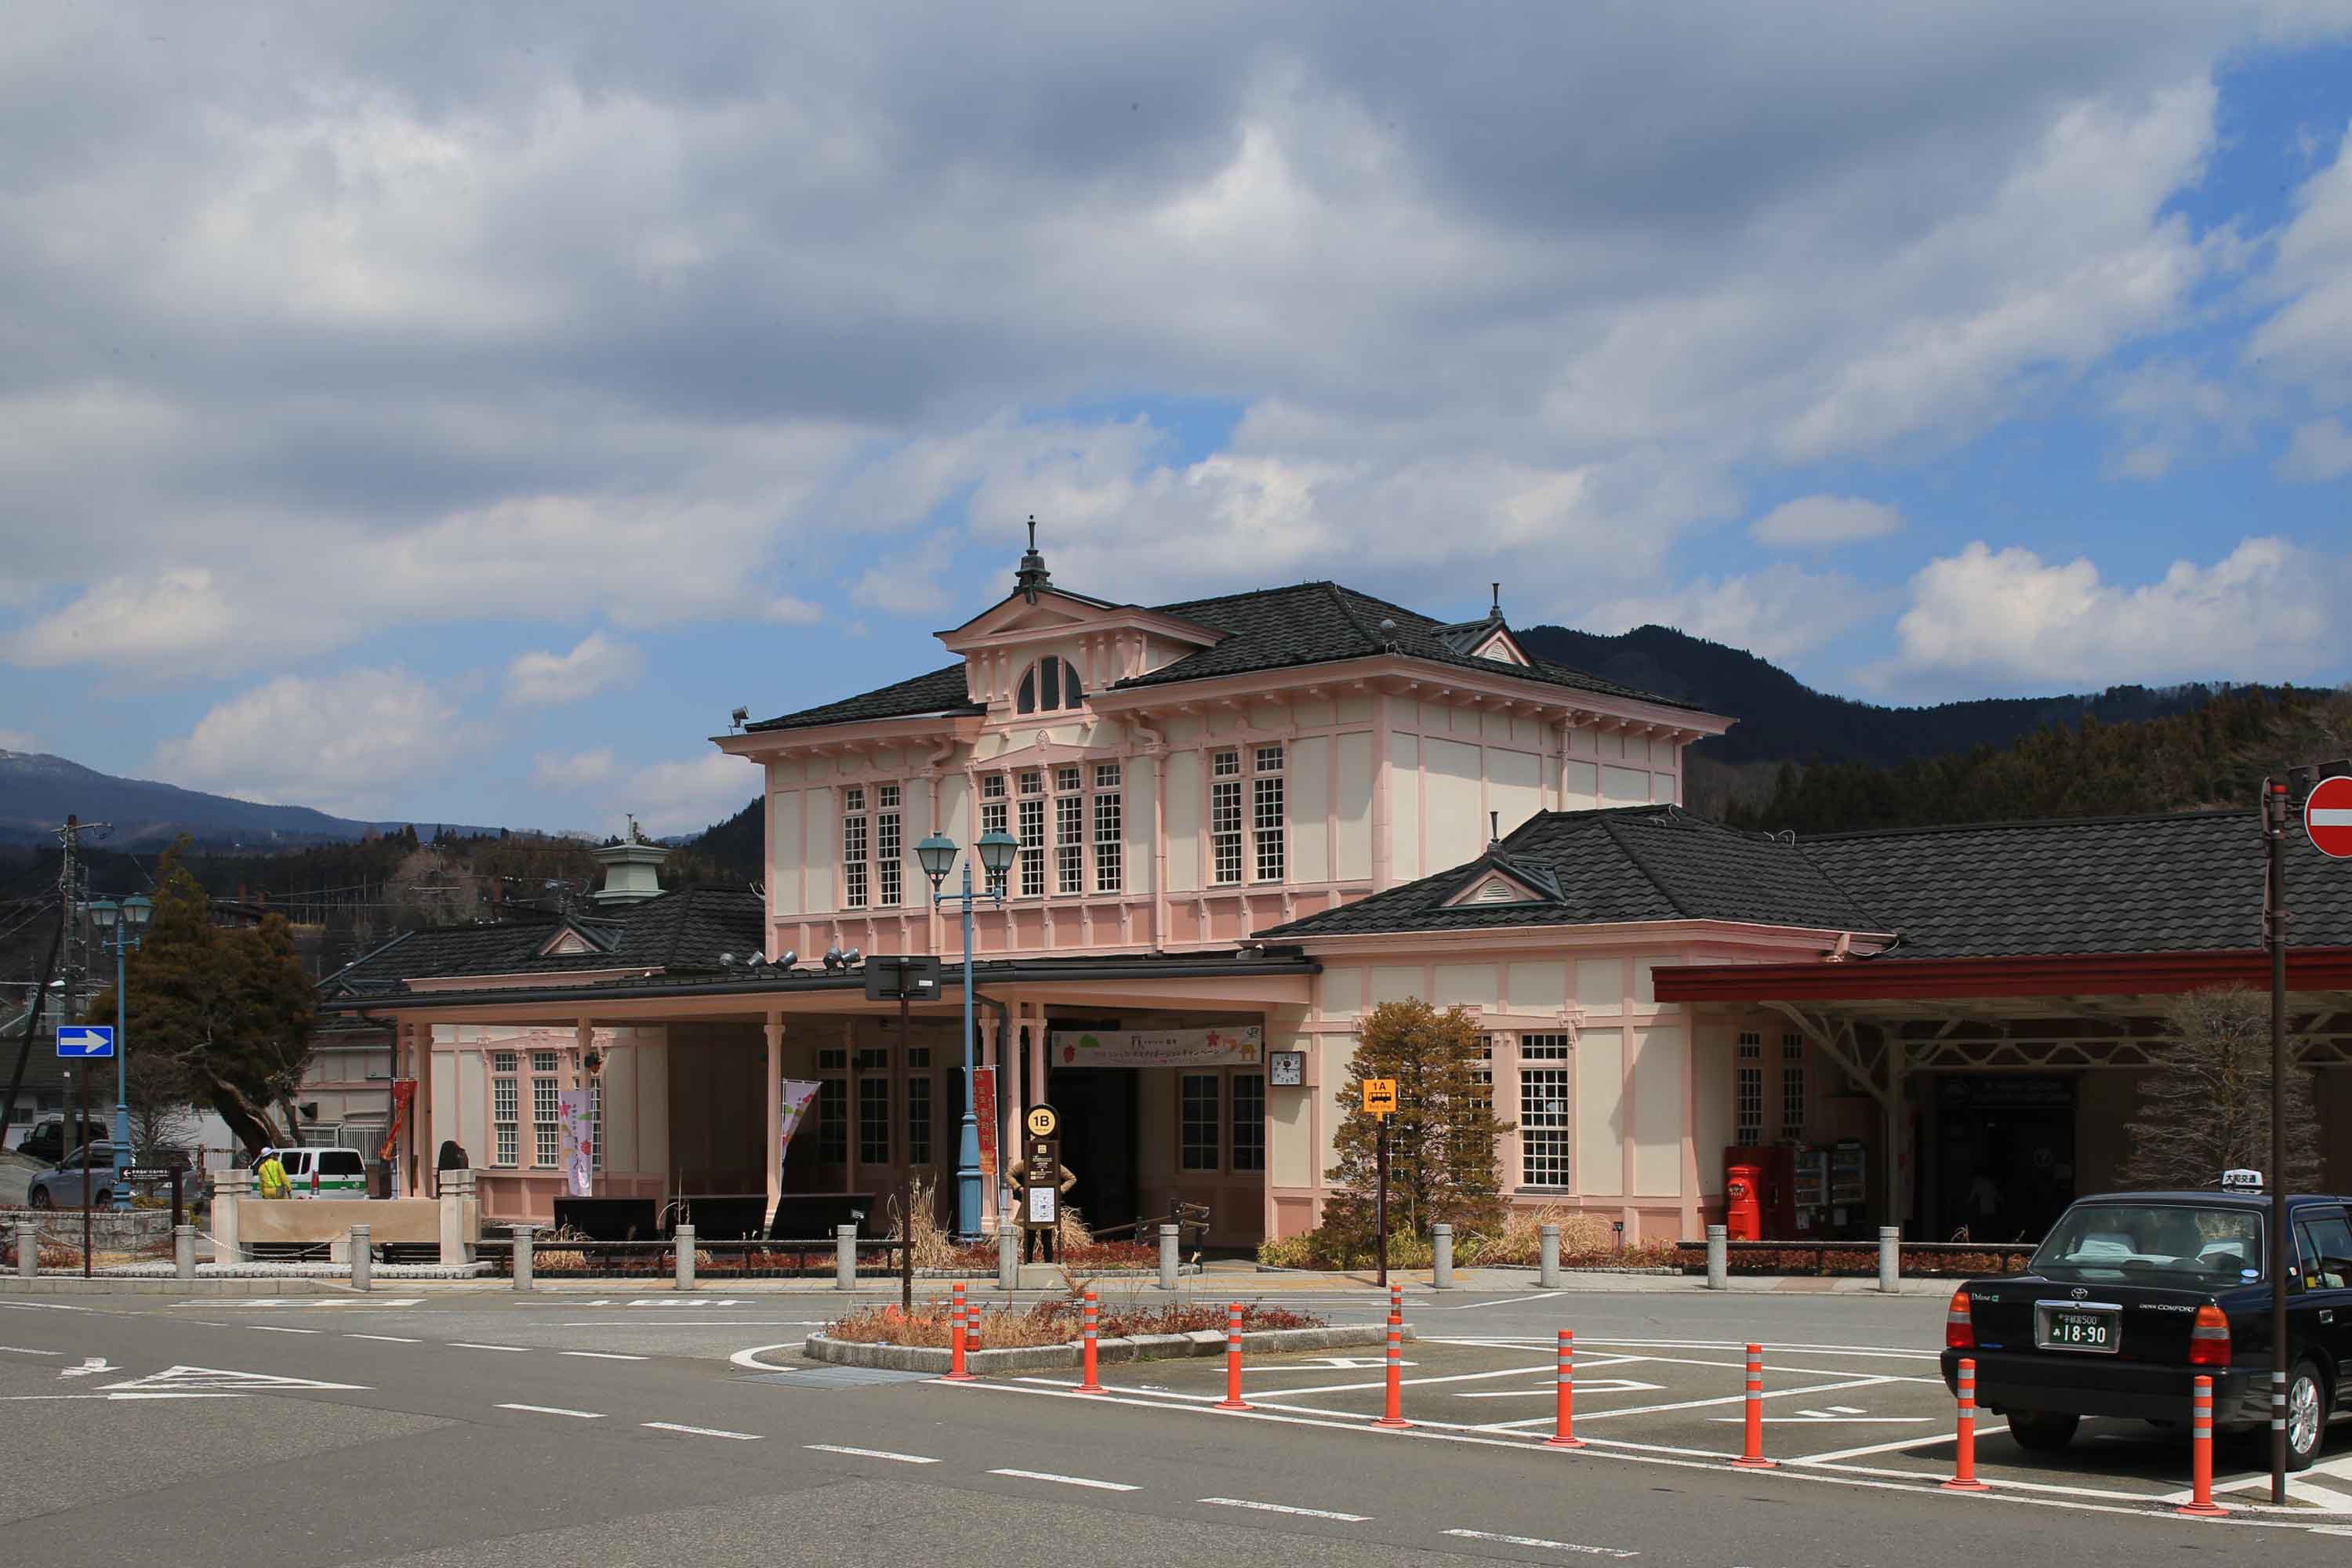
(2043, 1431)
(39, 1198)
(2307, 1416)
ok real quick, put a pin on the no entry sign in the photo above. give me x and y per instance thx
(2327, 817)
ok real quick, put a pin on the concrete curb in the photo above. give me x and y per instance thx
(1140, 1347)
(103, 1285)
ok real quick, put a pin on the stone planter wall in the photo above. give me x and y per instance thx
(1140, 1347)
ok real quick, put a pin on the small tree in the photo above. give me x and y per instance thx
(2207, 1108)
(1442, 1164)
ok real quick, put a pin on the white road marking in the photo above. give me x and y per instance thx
(173, 1379)
(1537, 1540)
(869, 1453)
(701, 1431)
(604, 1355)
(751, 1358)
(1505, 1302)
(1809, 1420)
(385, 1338)
(1287, 1508)
(1066, 1480)
(1896, 1447)
(89, 1364)
(556, 1410)
(19, 1350)
(1583, 1385)
(470, 1345)
(278, 1329)
(1864, 1382)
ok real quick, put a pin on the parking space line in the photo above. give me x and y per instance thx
(701, 1431)
(470, 1345)
(1287, 1508)
(1503, 1301)
(870, 1453)
(1066, 1480)
(1864, 1382)
(556, 1410)
(385, 1338)
(275, 1329)
(604, 1355)
(1540, 1543)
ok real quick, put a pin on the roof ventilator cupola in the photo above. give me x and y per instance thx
(632, 869)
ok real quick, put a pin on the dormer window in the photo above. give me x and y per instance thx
(1049, 686)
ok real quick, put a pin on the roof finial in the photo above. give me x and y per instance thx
(1494, 830)
(1032, 575)
(1498, 599)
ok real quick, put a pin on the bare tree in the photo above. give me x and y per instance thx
(2207, 1108)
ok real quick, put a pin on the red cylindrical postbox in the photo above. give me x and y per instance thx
(1743, 1203)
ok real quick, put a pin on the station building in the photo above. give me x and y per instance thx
(1242, 822)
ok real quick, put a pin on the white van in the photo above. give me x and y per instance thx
(325, 1172)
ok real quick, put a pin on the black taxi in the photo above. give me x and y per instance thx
(2133, 1296)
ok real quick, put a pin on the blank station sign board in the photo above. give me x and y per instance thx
(2327, 817)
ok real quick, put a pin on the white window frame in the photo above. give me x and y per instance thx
(1110, 825)
(1226, 838)
(1794, 1104)
(856, 875)
(505, 1108)
(1547, 1061)
(546, 1110)
(889, 848)
(1748, 1091)
(1269, 806)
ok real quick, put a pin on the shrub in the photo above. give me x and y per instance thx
(1051, 1323)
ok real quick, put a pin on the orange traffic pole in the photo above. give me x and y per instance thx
(1563, 1434)
(1752, 1457)
(1090, 1385)
(1964, 1462)
(1396, 1303)
(2201, 1503)
(1395, 1416)
(956, 1373)
(1233, 1399)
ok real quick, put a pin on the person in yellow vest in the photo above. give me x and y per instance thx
(272, 1174)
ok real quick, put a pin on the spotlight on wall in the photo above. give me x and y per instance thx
(787, 959)
(738, 719)
(851, 958)
(831, 959)
(725, 960)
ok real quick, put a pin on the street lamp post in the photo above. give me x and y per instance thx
(119, 927)
(937, 854)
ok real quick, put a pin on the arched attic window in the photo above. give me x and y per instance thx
(1048, 686)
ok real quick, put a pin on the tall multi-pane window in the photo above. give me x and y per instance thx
(1107, 867)
(992, 803)
(1482, 1072)
(1033, 835)
(1546, 1110)
(853, 870)
(1249, 1121)
(889, 869)
(833, 1106)
(1792, 1088)
(506, 1107)
(546, 1133)
(874, 1120)
(918, 1120)
(1265, 814)
(1197, 1140)
(595, 1123)
(1748, 1112)
(1070, 840)
(1225, 816)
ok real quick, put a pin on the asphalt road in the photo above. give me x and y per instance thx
(476, 1429)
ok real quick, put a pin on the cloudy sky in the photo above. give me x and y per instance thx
(452, 411)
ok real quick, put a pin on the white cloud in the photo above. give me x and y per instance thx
(899, 590)
(2008, 620)
(1780, 612)
(596, 664)
(2322, 449)
(786, 610)
(580, 770)
(1825, 520)
(2309, 339)
(342, 743)
(684, 797)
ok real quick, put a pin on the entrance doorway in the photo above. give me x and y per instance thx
(2005, 1154)
(1098, 1110)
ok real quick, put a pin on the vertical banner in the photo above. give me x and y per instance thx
(799, 1094)
(574, 1114)
(983, 1110)
(404, 1096)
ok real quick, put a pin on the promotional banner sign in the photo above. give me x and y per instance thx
(983, 1110)
(404, 1096)
(799, 1094)
(1241, 1045)
(575, 1113)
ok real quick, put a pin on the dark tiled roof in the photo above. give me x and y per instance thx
(1627, 864)
(686, 928)
(2180, 883)
(941, 692)
(1266, 629)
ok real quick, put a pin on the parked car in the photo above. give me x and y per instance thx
(51, 1136)
(60, 1186)
(2132, 1296)
(324, 1172)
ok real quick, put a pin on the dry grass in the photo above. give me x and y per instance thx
(1056, 1323)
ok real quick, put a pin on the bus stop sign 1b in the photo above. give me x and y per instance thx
(2327, 817)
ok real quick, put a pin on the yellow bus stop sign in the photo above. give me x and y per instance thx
(1380, 1096)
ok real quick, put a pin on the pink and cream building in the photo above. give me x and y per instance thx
(1244, 822)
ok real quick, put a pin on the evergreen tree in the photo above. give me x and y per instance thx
(2207, 1109)
(1443, 1163)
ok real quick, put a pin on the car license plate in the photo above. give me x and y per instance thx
(2078, 1329)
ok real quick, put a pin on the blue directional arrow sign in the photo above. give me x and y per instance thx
(86, 1040)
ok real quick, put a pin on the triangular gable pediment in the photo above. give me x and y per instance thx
(1013, 619)
(1503, 648)
(1492, 885)
(567, 940)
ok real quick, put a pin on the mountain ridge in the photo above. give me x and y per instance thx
(39, 789)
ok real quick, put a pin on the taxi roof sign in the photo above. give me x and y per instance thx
(2241, 1180)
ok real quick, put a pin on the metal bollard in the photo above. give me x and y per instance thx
(1719, 1257)
(1890, 1256)
(1008, 1257)
(2201, 1503)
(1964, 1452)
(1233, 1399)
(1563, 1421)
(1092, 1384)
(522, 1250)
(1547, 1259)
(28, 1251)
(183, 1251)
(362, 1260)
(1752, 1456)
(845, 1258)
(1168, 1259)
(683, 1240)
(1441, 1258)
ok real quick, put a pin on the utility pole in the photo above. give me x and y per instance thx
(2277, 811)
